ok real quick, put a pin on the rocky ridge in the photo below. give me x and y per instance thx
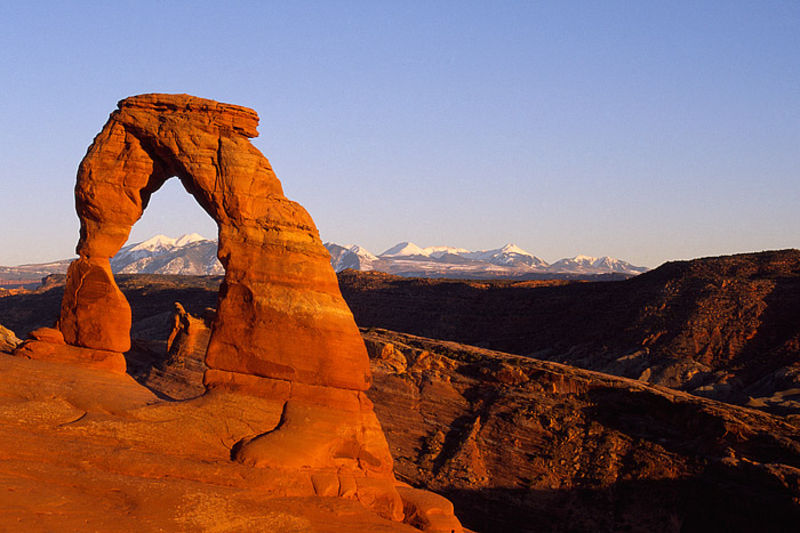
(525, 445)
(719, 327)
(520, 444)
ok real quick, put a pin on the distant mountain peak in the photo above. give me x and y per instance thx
(513, 249)
(154, 242)
(404, 248)
(194, 254)
(189, 238)
(408, 259)
(162, 241)
(190, 254)
(361, 252)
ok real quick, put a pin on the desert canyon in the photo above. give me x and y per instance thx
(280, 397)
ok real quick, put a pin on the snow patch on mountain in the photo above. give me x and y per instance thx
(350, 256)
(509, 255)
(404, 249)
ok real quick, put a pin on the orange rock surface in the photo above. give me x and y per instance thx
(94, 312)
(189, 336)
(90, 450)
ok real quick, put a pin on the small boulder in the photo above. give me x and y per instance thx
(8, 341)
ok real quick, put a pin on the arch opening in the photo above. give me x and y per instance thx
(171, 212)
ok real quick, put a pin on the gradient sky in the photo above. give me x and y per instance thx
(643, 130)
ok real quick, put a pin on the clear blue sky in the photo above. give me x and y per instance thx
(644, 130)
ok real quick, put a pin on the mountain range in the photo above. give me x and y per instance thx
(408, 259)
(193, 254)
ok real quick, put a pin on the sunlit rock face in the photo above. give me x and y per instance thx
(281, 315)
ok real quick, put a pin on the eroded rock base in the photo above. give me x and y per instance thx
(47, 344)
(326, 430)
(115, 453)
(86, 448)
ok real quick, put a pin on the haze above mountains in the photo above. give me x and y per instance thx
(193, 254)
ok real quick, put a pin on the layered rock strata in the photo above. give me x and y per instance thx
(519, 444)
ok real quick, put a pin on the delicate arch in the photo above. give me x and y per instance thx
(280, 312)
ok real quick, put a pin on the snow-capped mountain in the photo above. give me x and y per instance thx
(587, 264)
(409, 249)
(350, 256)
(156, 245)
(508, 255)
(405, 249)
(190, 254)
(409, 259)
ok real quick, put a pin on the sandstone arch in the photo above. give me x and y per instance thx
(282, 329)
(280, 313)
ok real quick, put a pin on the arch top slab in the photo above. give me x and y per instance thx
(152, 137)
(280, 313)
(216, 115)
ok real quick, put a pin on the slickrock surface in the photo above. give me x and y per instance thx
(721, 327)
(525, 445)
(47, 344)
(89, 450)
(519, 444)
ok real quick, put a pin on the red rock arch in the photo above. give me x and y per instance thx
(282, 331)
(280, 313)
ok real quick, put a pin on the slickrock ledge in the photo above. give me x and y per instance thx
(83, 449)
